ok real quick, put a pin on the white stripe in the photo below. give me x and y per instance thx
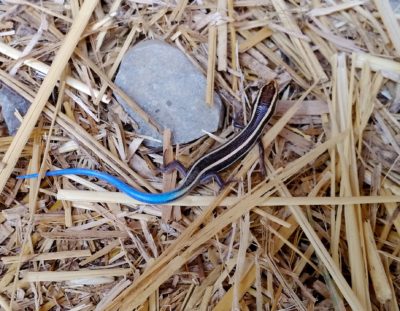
(256, 132)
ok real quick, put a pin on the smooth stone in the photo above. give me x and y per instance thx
(395, 5)
(163, 81)
(11, 102)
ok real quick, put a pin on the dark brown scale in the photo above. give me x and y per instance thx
(267, 95)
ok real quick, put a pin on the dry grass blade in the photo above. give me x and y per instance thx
(121, 198)
(389, 19)
(61, 59)
(44, 69)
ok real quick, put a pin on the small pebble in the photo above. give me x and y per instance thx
(11, 102)
(163, 81)
(395, 5)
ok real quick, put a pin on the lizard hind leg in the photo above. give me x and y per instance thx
(206, 178)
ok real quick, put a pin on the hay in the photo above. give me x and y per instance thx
(321, 231)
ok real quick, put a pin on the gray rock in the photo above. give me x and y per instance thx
(395, 5)
(163, 81)
(11, 102)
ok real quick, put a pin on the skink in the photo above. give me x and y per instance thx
(205, 167)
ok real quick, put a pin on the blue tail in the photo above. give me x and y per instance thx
(151, 198)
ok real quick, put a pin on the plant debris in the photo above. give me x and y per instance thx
(320, 231)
